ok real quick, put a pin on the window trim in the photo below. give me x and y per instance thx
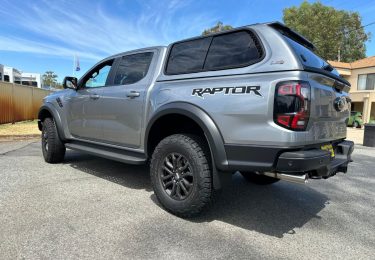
(247, 30)
(366, 74)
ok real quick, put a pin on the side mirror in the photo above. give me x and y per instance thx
(70, 82)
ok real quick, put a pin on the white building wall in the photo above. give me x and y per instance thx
(14, 74)
(1, 72)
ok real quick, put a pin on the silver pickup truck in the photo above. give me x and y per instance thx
(255, 99)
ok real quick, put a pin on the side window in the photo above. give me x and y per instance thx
(132, 68)
(233, 50)
(98, 76)
(188, 57)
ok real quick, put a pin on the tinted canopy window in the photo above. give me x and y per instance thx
(308, 57)
(133, 68)
(232, 50)
(188, 57)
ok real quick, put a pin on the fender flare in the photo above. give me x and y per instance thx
(56, 117)
(211, 131)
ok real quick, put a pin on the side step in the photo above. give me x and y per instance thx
(108, 153)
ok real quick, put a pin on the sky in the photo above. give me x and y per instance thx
(41, 35)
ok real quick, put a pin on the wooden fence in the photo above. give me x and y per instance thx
(19, 103)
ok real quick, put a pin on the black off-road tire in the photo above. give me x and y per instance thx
(52, 147)
(182, 150)
(258, 178)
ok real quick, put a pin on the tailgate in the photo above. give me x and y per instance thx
(330, 108)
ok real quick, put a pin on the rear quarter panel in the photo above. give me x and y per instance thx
(241, 118)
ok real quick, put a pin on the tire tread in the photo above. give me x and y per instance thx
(205, 181)
(56, 148)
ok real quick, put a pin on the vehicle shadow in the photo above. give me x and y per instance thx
(274, 210)
(130, 176)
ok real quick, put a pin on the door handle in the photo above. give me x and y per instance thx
(94, 96)
(133, 94)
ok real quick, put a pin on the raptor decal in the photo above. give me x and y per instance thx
(227, 91)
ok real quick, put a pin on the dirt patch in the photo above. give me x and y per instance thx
(20, 130)
(18, 138)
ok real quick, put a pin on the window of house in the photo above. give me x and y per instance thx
(17, 80)
(366, 81)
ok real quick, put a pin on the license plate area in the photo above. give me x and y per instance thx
(329, 148)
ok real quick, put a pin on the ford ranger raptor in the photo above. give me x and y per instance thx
(255, 100)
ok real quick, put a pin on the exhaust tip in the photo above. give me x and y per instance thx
(300, 179)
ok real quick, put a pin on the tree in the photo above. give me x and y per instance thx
(50, 79)
(219, 27)
(337, 34)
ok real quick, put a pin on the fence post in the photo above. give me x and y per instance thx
(13, 105)
(32, 104)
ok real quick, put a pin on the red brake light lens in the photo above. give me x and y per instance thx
(292, 105)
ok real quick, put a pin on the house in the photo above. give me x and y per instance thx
(361, 75)
(12, 75)
(31, 79)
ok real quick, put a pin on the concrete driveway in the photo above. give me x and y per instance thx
(93, 208)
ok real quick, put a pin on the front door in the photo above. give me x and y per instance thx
(84, 115)
(122, 101)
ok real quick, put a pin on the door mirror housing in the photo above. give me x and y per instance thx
(70, 82)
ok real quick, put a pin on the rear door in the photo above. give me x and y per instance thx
(122, 102)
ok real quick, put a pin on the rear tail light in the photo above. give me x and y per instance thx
(292, 105)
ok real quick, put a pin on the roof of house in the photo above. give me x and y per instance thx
(338, 64)
(363, 63)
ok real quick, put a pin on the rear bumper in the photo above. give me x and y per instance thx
(297, 160)
(317, 162)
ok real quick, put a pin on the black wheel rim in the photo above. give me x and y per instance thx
(45, 140)
(176, 176)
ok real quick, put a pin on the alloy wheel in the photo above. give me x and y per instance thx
(176, 176)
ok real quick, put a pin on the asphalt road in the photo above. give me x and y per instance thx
(92, 208)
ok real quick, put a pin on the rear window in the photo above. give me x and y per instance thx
(132, 68)
(230, 50)
(308, 57)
